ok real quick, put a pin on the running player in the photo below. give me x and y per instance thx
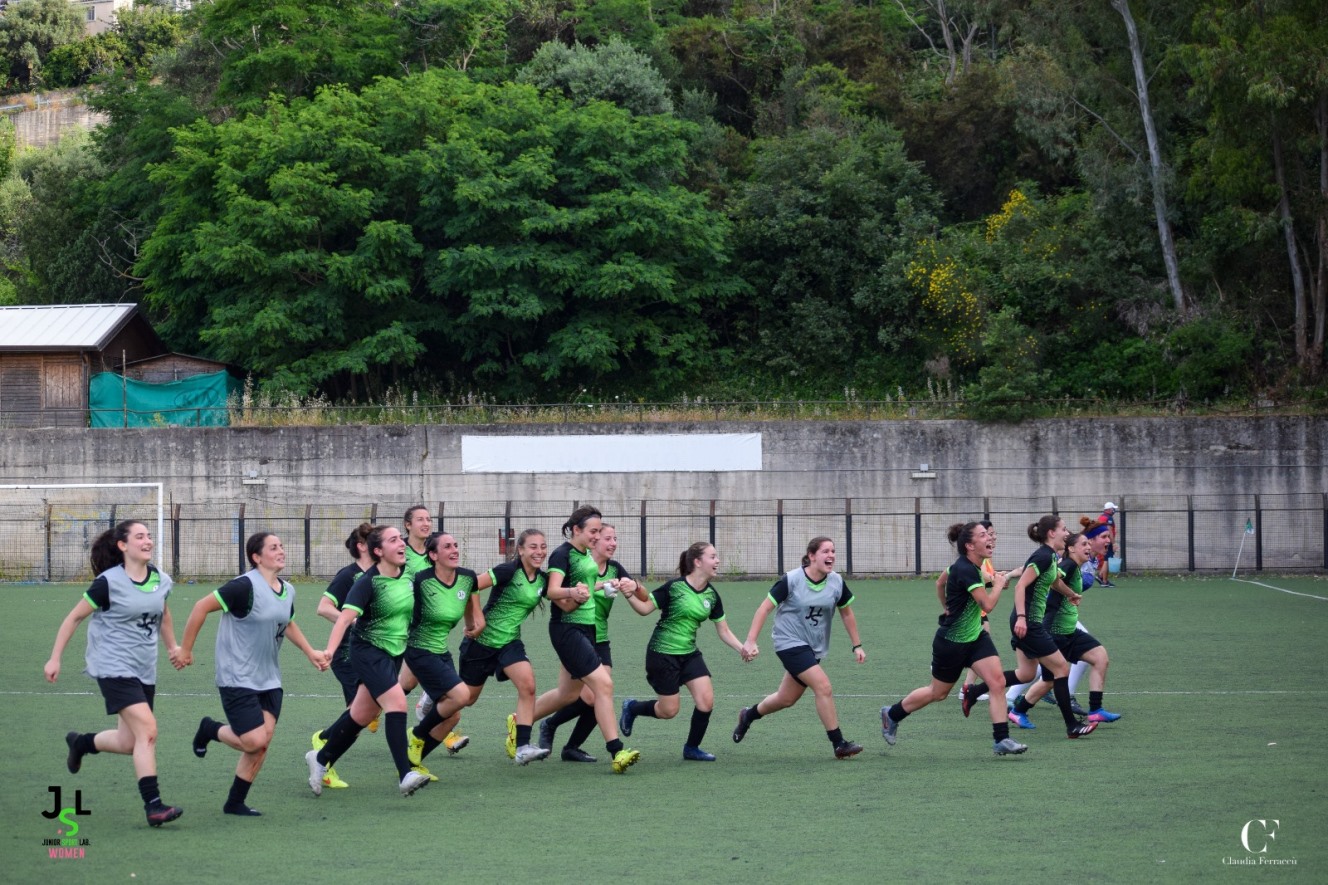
(444, 595)
(804, 602)
(127, 602)
(672, 658)
(258, 611)
(961, 642)
(379, 606)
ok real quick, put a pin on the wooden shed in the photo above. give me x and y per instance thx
(175, 367)
(48, 353)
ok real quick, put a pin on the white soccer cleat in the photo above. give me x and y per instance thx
(528, 753)
(423, 706)
(317, 772)
(412, 782)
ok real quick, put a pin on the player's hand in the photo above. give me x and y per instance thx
(1076, 598)
(749, 651)
(1021, 627)
(859, 655)
(176, 661)
(185, 657)
(580, 593)
(52, 669)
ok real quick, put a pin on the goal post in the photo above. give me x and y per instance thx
(66, 515)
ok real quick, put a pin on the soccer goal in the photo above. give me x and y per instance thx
(46, 530)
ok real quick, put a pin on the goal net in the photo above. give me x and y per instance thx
(46, 530)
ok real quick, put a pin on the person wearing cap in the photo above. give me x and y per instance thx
(1108, 518)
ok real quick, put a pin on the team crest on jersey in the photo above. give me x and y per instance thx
(461, 594)
(705, 604)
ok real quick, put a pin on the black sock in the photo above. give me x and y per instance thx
(1094, 701)
(1061, 687)
(147, 788)
(430, 721)
(523, 734)
(340, 736)
(574, 710)
(613, 746)
(431, 743)
(86, 744)
(1021, 704)
(644, 708)
(897, 713)
(753, 713)
(239, 792)
(836, 737)
(395, 723)
(1000, 731)
(585, 724)
(700, 722)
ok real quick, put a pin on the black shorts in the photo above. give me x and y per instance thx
(798, 659)
(125, 691)
(436, 673)
(605, 653)
(666, 672)
(1075, 645)
(575, 645)
(244, 707)
(1037, 642)
(949, 658)
(480, 661)
(375, 668)
(344, 670)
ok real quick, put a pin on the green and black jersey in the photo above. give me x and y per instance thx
(514, 596)
(576, 567)
(337, 591)
(416, 562)
(963, 621)
(682, 611)
(1043, 564)
(438, 607)
(384, 606)
(604, 603)
(1062, 615)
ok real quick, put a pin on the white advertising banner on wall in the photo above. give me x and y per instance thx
(611, 453)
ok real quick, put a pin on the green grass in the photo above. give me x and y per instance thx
(1222, 687)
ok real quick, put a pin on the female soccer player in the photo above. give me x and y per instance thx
(379, 606)
(804, 602)
(987, 569)
(1077, 644)
(611, 580)
(573, 573)
(1032, 643)
(961, 642)
(417, 525)
(672, 658)
(258, 612)
(329, 607)
(444, 595)
(127, 602)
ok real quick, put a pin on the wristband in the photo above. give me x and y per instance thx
(1017, 617)
(856, 647)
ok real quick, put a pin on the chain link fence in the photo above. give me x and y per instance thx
(46, 537)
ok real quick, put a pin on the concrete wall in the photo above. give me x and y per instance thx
(1156, 468)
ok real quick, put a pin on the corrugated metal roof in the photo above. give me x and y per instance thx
(62, 326)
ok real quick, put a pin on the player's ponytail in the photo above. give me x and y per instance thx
(106, 553)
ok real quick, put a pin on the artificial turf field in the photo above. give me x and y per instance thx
(1221, 686)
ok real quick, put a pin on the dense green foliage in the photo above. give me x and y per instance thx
(540, 201)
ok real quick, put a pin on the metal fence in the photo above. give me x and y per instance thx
(48, 540)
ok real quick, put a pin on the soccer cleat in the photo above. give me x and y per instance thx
(414, 749)
(528, 753)
(576, 754)
(696, 754)
(744, 723)
(317, 771)
(412, 782)
(74, 761)
(846, 749)
(625, 759)
(1021, 719)
(889, 727)
(510, 746)
(333, 781)
(1081, 729)
(455, 743)
(163, 814)
(1100, 715)
(967, 698)
(420, 769)
(200, 739)
(318, 741)
(373, 723)
(1008, 747)
(240, 810)
(1074, 707)
(546, 735)
(1108, 584)
(627, 719)
(423, 706)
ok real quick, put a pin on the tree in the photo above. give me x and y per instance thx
(30, 29)
(611, 71)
